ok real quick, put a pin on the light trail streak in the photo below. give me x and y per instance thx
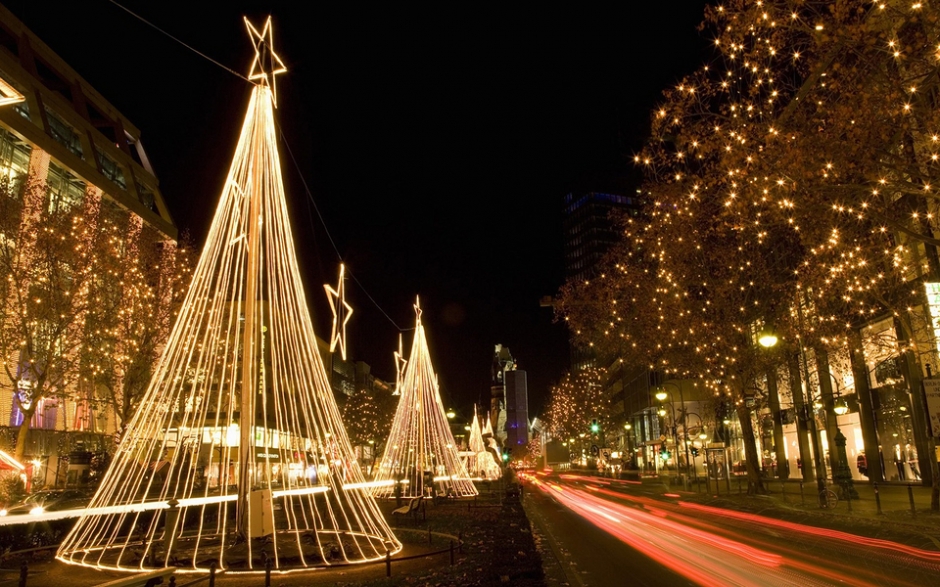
(712, 555)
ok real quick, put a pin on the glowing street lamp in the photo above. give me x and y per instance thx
(767, 337)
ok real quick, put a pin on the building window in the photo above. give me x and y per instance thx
(65, 189)
(64, 133)
(14, 156)
(111, 169)
(145, 195)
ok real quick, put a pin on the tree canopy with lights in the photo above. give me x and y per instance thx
(790, 184)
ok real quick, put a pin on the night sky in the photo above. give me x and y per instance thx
(437, 143)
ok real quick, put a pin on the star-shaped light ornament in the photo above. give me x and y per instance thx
(400, 362)
(342, 312)
(418, 309)
(266, 63)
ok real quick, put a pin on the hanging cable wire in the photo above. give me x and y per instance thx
(289, 151)
(311, 199)
(193, 49)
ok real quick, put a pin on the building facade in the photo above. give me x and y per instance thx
(57, 129)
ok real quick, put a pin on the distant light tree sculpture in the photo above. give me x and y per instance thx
(421, 454)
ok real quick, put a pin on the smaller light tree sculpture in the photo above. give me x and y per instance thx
(421, 454)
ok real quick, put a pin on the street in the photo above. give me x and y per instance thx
(605, 532)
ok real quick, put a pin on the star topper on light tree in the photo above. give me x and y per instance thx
(239, 415)
(421, 454)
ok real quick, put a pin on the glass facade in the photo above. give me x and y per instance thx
(65, 189)
(110, 169)
(14, 156)
(64, 133)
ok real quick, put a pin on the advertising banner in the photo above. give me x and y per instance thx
(932, 394)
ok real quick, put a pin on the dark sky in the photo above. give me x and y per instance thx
(437, 142)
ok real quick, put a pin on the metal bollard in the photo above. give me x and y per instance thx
(24, 572)
(212, 568)
(802, 497)
(451, 553)
(910, 496)
(877, 499)
(267, 573)
(388, 563)
(172, 581)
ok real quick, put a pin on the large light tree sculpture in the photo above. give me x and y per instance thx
(421, 452)
(239, 415)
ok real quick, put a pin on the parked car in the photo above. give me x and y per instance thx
(49, 500)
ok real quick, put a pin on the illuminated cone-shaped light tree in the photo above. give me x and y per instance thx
(237, 454)
(483, 460)
(421, 454)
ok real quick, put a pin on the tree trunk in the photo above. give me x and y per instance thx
(22, 434)
(755, 482)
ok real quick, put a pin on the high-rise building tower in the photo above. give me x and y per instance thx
(517, 413)
(589, 233)
(588, 228)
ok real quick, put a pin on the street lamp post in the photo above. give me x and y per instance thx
(768, 339)
(629, 444)
(661, 395)
(702, 435)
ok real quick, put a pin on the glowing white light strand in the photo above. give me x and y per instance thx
(183, 444)
(421, 442)
(481, 461)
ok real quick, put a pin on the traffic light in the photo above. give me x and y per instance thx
(694, 451)
(664, 453)
(595, 427)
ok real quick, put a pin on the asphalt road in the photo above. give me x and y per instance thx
(606, 532)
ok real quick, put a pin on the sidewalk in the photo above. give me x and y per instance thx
(903, 506)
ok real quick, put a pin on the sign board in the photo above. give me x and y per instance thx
(260, 513)
(933, 304)
(932, 395)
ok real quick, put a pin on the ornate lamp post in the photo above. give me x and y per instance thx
(768, 339)
(662, 395)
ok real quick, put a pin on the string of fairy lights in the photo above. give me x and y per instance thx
(239, 402)
(791, 181)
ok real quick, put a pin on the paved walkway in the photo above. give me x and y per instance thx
(899, 504)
